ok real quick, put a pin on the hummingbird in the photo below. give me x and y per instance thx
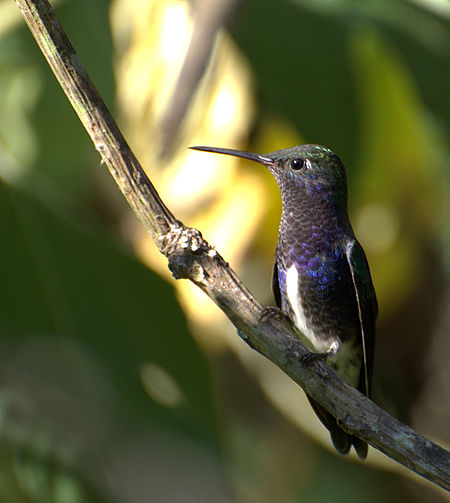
(321, 279)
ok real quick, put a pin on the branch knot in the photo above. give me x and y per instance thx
(185, 249)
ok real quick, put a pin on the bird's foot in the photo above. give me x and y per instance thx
(310, 358)
(271, 312)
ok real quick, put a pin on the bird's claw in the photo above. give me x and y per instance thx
(271, 312)
(310, 358)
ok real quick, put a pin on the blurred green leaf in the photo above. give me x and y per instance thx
(299, 57)
(80, 321)
(349, 483)
(299, 51)
(33, 103)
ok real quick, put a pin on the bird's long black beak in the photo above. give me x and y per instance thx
(262, 159)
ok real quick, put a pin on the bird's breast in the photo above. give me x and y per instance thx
(317, 294)
(295, 304)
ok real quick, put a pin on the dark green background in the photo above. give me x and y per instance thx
(80, 315)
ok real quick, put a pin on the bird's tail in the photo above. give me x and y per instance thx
(342, 441)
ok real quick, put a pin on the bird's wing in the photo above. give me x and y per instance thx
(276, 285)
(367, 309)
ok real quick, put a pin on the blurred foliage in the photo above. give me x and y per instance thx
(84, 330)
(105, 395)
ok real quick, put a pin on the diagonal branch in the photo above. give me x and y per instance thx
(191, 257)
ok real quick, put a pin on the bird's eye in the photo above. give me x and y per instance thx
(297, 163)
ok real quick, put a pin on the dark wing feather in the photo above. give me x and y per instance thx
(341, 440)
(367, 309)
(276, 285)
(367, 313)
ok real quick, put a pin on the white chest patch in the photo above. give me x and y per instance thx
(294, 299)
(342, 358)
